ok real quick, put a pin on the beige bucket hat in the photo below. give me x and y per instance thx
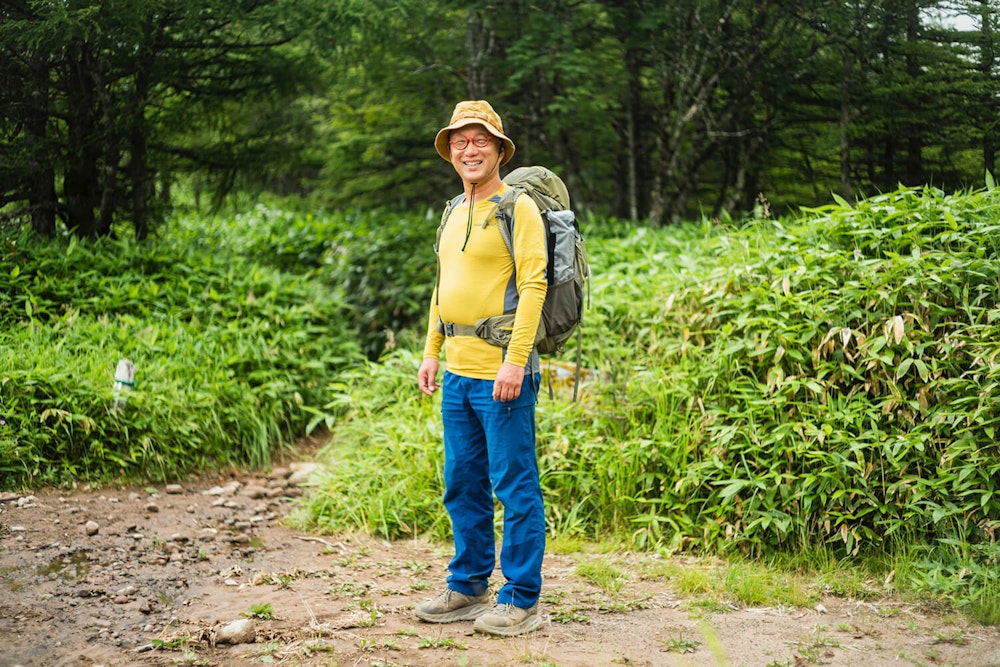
(468, 113)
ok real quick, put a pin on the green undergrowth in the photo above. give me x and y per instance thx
(823, 384)
(227, 351)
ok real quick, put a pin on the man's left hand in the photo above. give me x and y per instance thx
(507, 386)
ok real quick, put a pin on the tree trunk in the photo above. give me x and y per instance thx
(138, 171)
(42, 198)
(845, 127)
(633, 122)
(81, 184)
(991, 105)
(479, 42)
(914, 139)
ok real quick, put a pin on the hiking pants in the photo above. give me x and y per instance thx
(489, 448)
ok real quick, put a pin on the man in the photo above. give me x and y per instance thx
(488, 397)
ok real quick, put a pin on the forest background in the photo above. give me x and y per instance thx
(651, 111)
(241, 196)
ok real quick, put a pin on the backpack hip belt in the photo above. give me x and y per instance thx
(451, 329)
(495, 330)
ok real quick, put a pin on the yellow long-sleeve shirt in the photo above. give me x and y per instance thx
(483, 280)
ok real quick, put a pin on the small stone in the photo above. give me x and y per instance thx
(91, 528)
(820, 608)
(152, 508)
(128, 590)
(302, 473)
(254, 491)
(237, 632)
(174, 489)
(121, 599)
(227, 490)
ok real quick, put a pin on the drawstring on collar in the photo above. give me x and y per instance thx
(468, 224)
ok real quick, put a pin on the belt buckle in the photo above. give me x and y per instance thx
(449, 329)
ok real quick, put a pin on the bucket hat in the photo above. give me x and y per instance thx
(468, 113)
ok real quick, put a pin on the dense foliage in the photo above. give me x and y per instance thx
(651, 111)
(105, 103)
(820, 383)
(227, 350)
(824, 383)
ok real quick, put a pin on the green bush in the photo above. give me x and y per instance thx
(227, 351)
(381, 262)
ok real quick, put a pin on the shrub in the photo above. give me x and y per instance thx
(227, 350)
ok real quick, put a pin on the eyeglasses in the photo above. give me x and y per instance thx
(460, 143)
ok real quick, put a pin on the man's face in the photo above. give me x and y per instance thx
(475, 153)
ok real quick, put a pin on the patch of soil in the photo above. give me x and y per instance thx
(159, 576)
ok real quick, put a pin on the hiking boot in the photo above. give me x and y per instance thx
(508, 620)
(453, 606)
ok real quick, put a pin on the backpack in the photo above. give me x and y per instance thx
(567, 268)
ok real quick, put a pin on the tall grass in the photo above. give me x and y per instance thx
(227, 350)
(821, 382)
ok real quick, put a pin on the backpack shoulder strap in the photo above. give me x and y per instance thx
(449, 205)
(505, 215)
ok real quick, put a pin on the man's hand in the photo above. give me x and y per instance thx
(507, 386)
(427, 376)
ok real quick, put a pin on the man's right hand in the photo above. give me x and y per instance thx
(427, 376)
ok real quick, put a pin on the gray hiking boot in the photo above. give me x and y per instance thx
(453, 606)
(508, 620)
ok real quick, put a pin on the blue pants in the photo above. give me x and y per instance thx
(489, 447)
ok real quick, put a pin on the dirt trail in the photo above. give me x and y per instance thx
(153, 576)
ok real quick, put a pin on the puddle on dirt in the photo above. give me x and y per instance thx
(73, 567)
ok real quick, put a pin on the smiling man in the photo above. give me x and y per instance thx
(489, 392)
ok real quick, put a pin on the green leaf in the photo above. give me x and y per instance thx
(840, 200)
(734, 487)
